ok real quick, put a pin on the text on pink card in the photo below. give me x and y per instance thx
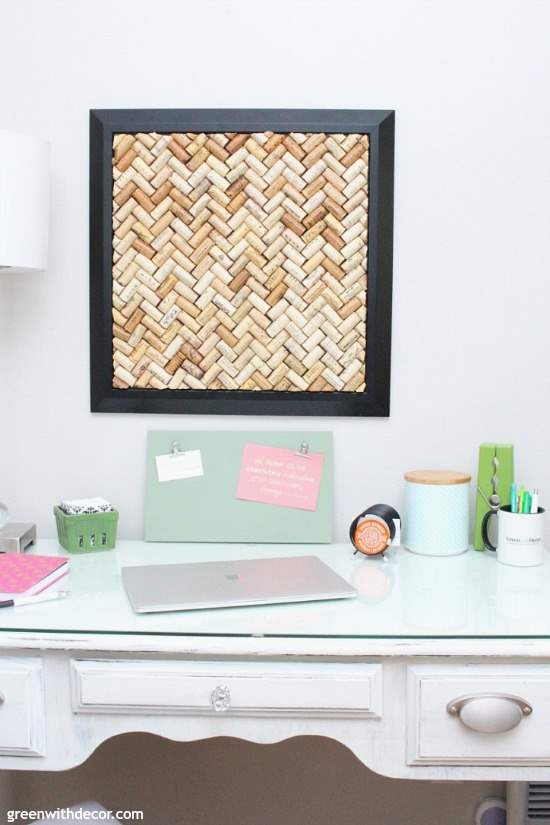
(274, 475)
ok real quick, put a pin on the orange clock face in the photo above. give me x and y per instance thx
(372, 536)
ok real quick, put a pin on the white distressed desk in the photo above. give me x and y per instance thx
(376, 673)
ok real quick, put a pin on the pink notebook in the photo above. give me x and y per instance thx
(30, 575)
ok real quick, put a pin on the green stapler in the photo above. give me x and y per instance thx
(495, 475)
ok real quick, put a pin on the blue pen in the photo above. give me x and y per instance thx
(514, 498)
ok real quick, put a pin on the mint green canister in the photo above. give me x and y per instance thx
(436, 521)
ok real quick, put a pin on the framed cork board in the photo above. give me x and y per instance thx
(241, 261)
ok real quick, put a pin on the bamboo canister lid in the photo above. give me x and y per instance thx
(437, 477)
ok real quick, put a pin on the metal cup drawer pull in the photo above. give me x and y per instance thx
(490, 712)
(220, 698)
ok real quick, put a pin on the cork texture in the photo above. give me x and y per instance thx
(240, 261)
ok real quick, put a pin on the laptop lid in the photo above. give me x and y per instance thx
(165, 587)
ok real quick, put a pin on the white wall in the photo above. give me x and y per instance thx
(469, 82)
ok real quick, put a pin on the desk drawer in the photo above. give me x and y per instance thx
(22, 713)
(479, 715)
(241, 688)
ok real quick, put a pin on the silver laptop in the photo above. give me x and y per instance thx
(163, 587)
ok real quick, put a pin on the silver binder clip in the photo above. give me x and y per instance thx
(175, 449)
(303, 450)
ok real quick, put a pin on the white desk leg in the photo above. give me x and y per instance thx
(516, 803)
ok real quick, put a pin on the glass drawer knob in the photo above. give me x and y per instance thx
(220, 698)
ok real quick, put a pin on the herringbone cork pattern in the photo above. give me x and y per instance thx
(239, 261)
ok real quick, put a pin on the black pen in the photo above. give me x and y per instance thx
(44, 597)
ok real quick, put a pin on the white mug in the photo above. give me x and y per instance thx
(520, 537)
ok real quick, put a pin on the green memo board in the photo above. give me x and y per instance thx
(205, 508)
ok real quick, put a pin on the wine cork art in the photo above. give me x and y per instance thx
(240, 261)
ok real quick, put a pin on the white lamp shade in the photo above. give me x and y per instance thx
(24, 201)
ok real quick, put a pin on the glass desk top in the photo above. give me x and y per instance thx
(401, 596)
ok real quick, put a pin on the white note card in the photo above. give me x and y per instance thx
(181, 465)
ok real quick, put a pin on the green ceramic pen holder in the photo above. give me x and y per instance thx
(86, 532)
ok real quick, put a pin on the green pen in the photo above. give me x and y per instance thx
(521, 494)
(514, 498)
(526, 502)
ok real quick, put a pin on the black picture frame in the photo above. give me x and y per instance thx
(375, 401)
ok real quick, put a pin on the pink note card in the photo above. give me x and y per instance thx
(274, 475)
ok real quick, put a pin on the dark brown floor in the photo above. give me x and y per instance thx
(304, 781)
